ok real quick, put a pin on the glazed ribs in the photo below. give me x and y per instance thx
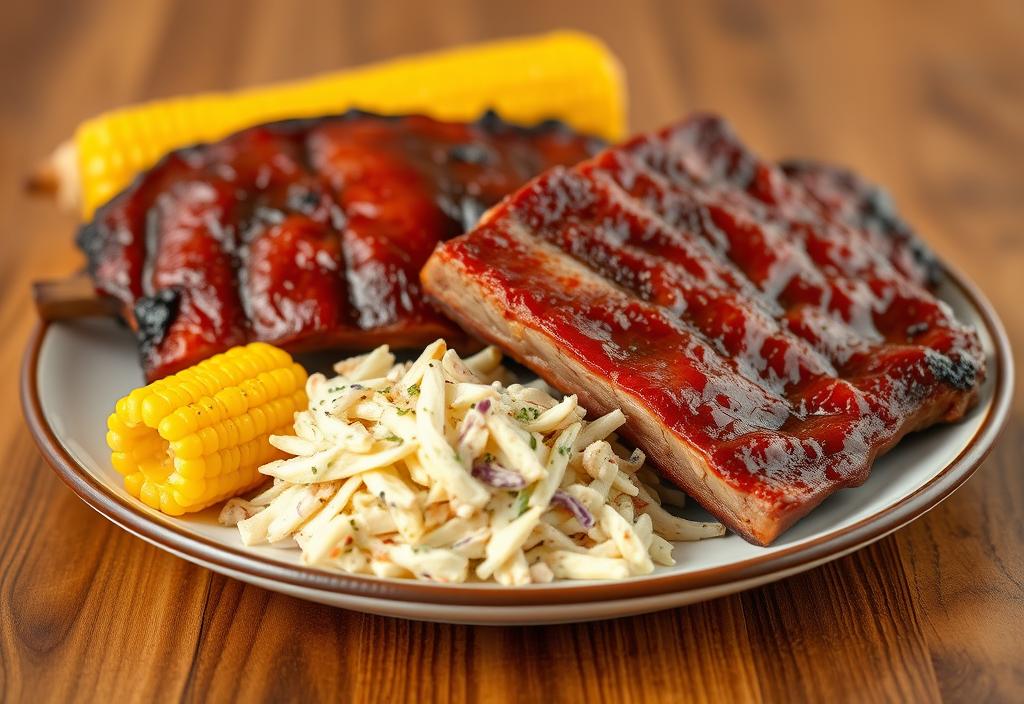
(305, 233)
(767, 330)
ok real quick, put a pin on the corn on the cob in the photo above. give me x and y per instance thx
(200, 436)
(565, 75)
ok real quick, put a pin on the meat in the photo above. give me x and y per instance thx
(767, 331)
(305, 233)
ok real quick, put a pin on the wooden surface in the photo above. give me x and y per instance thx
(925, 97)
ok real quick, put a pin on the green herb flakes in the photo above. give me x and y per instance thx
(527, 414)
(523, 500)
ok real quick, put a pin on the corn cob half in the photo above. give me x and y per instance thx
(199, 436)
(564, 75)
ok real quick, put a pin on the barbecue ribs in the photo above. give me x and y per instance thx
(305, 233)
(767, 330)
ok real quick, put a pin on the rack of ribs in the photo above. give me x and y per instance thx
(305, 233)
(768, 330)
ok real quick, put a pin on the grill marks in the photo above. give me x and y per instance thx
(752, 317)
(194, 257)
(304, 233)
(841, 293)
(866, 208)
(659, 265)
(287, 253)
(653, 354)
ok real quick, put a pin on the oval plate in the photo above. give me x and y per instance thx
(74, 372)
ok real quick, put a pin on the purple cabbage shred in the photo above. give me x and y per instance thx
(499, 477)
(573, 505)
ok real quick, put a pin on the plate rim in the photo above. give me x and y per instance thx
(123, 511)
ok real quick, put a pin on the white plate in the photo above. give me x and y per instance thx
(74, 372)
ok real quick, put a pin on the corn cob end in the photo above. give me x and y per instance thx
(198, 437)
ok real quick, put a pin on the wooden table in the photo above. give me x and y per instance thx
(926, 97)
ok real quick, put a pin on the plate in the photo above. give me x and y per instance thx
(74, 372)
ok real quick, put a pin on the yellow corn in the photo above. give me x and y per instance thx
(565, 75)
(195, 438)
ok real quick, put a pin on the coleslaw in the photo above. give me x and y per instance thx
(443, 469)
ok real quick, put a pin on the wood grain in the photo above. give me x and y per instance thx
(926, 97)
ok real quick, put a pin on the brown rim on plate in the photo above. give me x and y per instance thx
(164, 532)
